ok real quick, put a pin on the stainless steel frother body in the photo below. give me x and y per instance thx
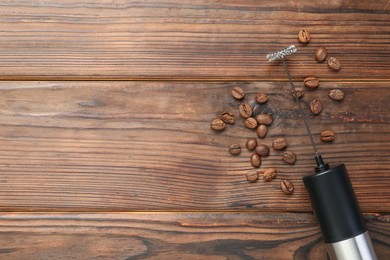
(333, 198)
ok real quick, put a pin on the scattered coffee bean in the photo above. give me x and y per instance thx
(261, 131)
(261, 98)
(299, 92)
(289, 157)
(315, 107)
(245, 110)
(252, 176)
(269, 174)
(238, 93)
(255, 160)
(227, 117)
(251, 144)
(279, 143)
(217, 124)
(336, 94)
(287, 186)
(250, 122)
(311, 82)
(334, 64)
(262, 150)
(327, 136)
(321, 54)
(235, 149)
(264, 119)
(304, 36)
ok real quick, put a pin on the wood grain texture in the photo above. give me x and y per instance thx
(132, 146)
(171, 236)
(172, 39)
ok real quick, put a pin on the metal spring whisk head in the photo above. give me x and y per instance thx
(281, 54)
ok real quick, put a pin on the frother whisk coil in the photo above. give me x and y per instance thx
(281, 54)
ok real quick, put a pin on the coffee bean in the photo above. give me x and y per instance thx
(299, 92)
(289, 157)
(252, 176)
(334, 64)
(235, 149)
(287, 186)
(245, 110)
(255, 160)
(304, 36)
(321, 54)
(336, 94)
(311, 82)
(262, 150)
(315, 107)
(264, 119)
(279, 143)
(227, 117)
(261, 98)
(327, 136)
(269, 174)
(217, 124)
(261, 131)
(251, 144)
(250, 122)
(238, 93)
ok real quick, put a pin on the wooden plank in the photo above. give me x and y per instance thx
(171, 236)
(114, 146)
(172, 39)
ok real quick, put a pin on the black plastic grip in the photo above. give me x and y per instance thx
(335, 204)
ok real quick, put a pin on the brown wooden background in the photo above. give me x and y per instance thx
(106, 150)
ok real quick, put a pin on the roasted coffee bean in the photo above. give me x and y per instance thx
(279, 143)
(269, 174)
(261, 131)
(304, 36)
(321, 54)
(261, 98)
(334, 64)
(251, 144)
(289, 157)
(238, 93)
(287, 187)
(252, 176)
(262, 150)
(250, 122)
(217, 124)
(255, 160)
(264, 119)
(235, 149)
(311, 82)
(299, 92)
(336, 94)
(315, 107)
(327, 136)
(228, 118)
(245, 110)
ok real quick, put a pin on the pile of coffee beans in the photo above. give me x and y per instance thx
(255, 119)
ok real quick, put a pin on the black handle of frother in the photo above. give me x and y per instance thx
(335, 204)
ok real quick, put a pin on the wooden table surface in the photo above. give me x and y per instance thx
(105, 107)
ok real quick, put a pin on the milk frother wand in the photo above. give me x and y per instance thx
(332, 197)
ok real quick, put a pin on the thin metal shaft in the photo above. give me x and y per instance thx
(300, 107)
